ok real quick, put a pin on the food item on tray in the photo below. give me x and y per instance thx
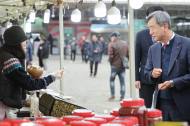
(35, 71)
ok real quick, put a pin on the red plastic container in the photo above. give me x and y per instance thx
(30, 124)
(132, 102)
(112, 124)
(108, 118)
(70, 118)
(95, 120)
(51, 122)
(115, 112)
(132, 118)
(5, 123)
(16, 122)
(82, 123)
(125, 122)
(153, 116)
(133, 107)
(83, 112)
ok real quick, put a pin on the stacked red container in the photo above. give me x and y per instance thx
(133, 107)
(134, 120)
(153, 116)
(95, 120)
(125, 122)
(108, 118)
(115, 112)
(51, 122)
(69, 118)
(82, 123)
(5, 123)
(16, 122)
(112, 124)
(83, 113)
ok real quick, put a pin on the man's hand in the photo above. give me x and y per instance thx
(138, 84)
(156, 72)
(165, 85)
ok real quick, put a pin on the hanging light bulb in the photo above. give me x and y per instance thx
(9, 24)
(100, 9)
(53, 12)
(32, 16)
(136, 4)
(76, 15)
(47, 16)
(28, 27)
(114, 15)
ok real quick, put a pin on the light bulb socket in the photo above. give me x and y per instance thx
(113, 3)
(34, 7)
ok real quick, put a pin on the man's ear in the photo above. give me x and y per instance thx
(166, 25)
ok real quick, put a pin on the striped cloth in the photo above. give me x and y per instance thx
(11, 65)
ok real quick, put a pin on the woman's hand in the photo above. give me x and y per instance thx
(58, 74)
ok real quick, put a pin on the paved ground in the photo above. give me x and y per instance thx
(90, 92)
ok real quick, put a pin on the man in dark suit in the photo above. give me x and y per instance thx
(143, 42)
(168, 65)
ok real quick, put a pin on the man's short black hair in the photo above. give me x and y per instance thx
(152, 9)
(115, 34)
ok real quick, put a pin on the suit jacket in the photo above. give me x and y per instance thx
(178, 71)
(143, 42)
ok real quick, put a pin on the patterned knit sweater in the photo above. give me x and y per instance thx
(13, 79)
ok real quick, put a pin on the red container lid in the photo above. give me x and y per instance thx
(108, 118)
(132, 118)
(5, 123)
(51, 122)
(41, 118)
(112, 124)
(16, 122)
(70, 118)
(95, 120)
(83, 112)
(153, 113)
(115, 112)
(124, 122)
(29, 124)
(82, 123)
(132, 102)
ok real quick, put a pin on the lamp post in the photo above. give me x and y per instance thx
(131, 50)
(61, 40)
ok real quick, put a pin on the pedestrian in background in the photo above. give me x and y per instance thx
(117, 49)
(43, 51)
(85, 50)
(1, 41)
(36, 44)
(50, 39)
(73, 45)
(13, 77)
(143, 42)
(103, 46)
(168, 65)
(81, 44)
(94, 55)
(29, 52)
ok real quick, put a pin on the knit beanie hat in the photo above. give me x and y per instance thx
(14, 36)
